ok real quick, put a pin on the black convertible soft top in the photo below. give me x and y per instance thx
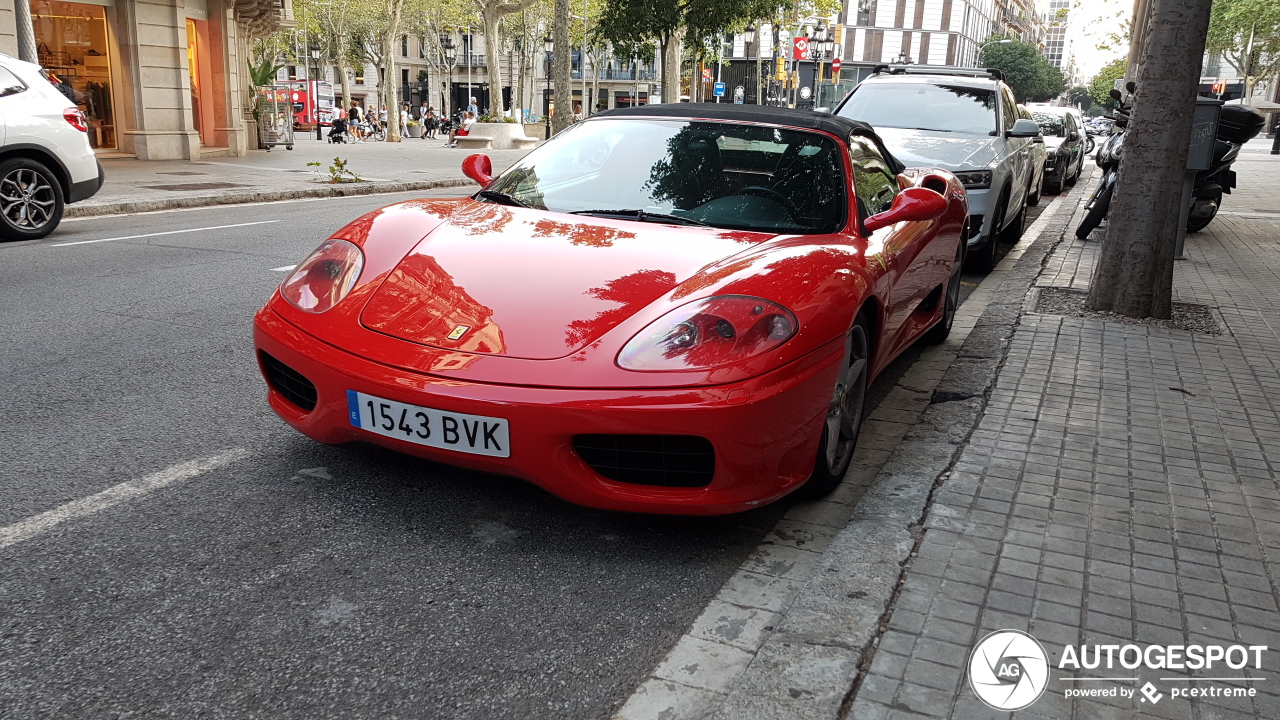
(841, 127)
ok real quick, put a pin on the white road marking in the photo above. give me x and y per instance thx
(171, 232)
(285, 268)
(416, 194)
(129, 490)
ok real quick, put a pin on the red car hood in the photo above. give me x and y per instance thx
(531, 284)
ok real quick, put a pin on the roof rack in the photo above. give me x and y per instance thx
(913, 69)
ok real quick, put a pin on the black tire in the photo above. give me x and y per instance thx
(1034, 200)
(1096, 212)
(985, 259)
(951, 300)
(844, 415)
(1013, 233)
(1198, 224)
(31, 201)
(1054, 187)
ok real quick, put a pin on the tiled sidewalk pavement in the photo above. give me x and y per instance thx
(1096, 505)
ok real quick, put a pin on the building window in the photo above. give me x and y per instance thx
(73, 43)
(360, 76)
(293, 72)
(404, 46)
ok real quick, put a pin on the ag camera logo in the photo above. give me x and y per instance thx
(1008, 670)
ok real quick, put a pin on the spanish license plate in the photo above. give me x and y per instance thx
(473, 434)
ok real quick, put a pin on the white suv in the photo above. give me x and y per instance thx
(45, 157)
(964, 120)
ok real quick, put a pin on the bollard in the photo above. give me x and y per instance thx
(1275, 137)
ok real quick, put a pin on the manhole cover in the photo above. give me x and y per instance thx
(194, 186)
(181, 173)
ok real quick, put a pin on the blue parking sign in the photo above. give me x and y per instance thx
(718, 89)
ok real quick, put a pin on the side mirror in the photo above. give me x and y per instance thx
(1115, 94)
(478, 167)
(1024, 128)
(1131, 86)
(912, 204)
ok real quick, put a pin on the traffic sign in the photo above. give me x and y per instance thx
(718, 89)
(800, 48)
(835, 65)
(706, 74)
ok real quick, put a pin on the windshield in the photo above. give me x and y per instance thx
(1049, 124)
(923, 106)
(720, 174)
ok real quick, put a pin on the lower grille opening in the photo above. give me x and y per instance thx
(665, 460)
(975, 226)
(289, 382)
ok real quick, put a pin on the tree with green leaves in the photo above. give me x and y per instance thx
(492, 12)
(1246, 33)
(1102, 83)
(1028, 74)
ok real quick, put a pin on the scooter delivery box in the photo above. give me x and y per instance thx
(1239, 123)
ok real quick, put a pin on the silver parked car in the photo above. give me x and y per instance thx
(964, 120)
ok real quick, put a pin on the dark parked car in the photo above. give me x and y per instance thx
(1064, 142)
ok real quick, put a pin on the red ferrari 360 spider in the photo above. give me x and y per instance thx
(670, 309)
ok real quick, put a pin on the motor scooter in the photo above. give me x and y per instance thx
(1237, 125)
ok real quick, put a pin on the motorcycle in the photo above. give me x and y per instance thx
(1237, 125)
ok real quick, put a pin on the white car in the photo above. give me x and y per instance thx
(45, 157)
(964, 120)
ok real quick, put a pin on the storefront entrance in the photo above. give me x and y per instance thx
(72, 41)
(198, 66)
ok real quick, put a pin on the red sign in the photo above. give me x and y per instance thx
(800, 48)
(835, 65)
(706, 74)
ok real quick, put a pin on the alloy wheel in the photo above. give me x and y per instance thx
(27, 199)
(844, 413)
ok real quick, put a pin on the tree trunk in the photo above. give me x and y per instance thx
(389, 82)
(491, 16)
(341, 55)
(560, 69)
(671, 68)
(1134, 272)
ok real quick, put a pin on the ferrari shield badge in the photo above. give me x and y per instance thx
(458, 332)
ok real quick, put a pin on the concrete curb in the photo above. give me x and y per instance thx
(238, 198)
(791, 632)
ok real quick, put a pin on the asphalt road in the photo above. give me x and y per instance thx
(294, 580)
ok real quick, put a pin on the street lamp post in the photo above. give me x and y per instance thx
(450, 58)
(315, 90)
(749, 36)
(548, 44)
(978, 57)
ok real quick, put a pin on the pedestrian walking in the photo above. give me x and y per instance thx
(355, 117)
(430, 123)
(404, 117)
(472, 108)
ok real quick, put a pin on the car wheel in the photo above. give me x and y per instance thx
(986, 258)
(1053, 187)
(1033, 199)
(844, 415)
(951, 300)
(31, 200)
(1013, 233)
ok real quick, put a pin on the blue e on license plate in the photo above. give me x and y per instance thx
(475, 434)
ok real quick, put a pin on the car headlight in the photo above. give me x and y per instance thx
(975, 179)
(325, 277)
(709, 333)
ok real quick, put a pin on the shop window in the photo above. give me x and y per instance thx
(73, 43)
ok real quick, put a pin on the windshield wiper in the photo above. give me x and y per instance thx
(643, 216)
(500, 197)
(932, 129)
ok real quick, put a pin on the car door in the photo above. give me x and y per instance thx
(900, 250)
(1076, 146)
(1019, 152)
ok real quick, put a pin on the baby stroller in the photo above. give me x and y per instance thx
(338, 132)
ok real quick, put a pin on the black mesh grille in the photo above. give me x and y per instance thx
(667, 460)
(289, 382)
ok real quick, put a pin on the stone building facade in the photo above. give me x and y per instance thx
(158, 79)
